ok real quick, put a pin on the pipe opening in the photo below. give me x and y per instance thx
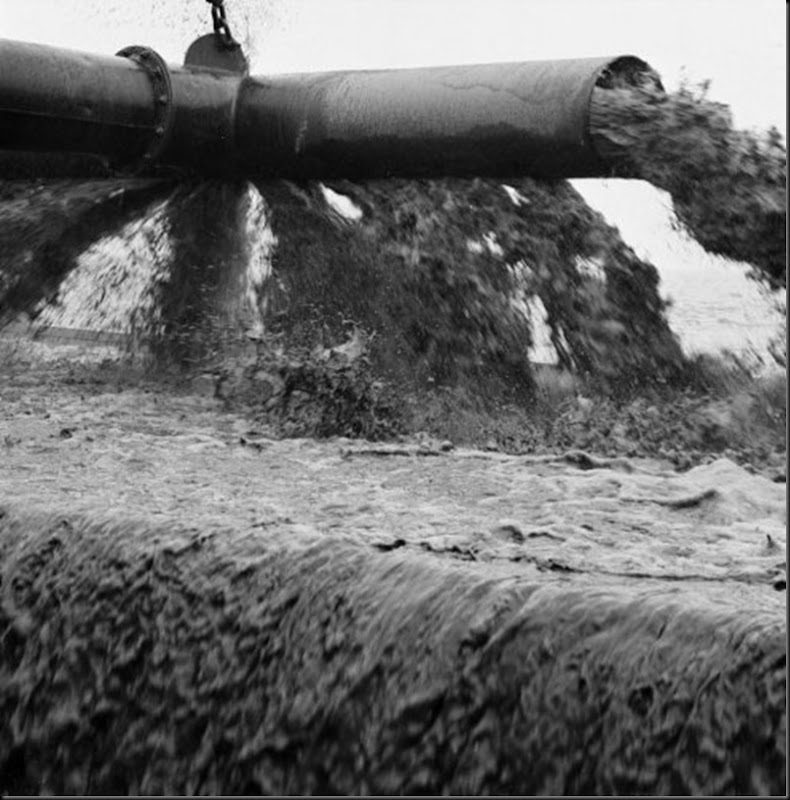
(628, 71)
(625, 77)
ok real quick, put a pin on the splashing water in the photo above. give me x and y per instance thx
(261, 243)
(728, 187)
(111, 284)
(123, 285)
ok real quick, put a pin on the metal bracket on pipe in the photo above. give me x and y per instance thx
(208, 52)
(158, 73)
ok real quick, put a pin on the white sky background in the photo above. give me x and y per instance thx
(740, 45)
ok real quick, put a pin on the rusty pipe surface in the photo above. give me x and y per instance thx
(508, 119)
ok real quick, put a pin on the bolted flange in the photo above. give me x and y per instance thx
(159, 74)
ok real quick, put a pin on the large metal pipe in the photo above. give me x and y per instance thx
(490, 120)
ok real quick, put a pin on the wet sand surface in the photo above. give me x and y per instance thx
(227, 612)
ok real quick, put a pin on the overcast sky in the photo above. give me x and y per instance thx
(740, 45)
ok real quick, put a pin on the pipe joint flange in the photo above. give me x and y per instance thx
(159, 75)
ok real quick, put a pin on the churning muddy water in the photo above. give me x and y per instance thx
(190, 606)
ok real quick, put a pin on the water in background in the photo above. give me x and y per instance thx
(715, 307)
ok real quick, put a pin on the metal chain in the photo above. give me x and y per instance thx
(221, 27)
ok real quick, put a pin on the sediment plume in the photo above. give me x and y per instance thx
(728, 187)
(218, 259)
(45, 225)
